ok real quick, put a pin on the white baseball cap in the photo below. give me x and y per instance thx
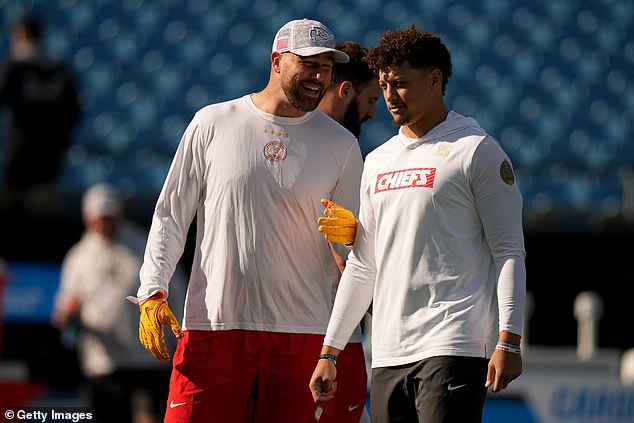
(102, 200)
(306, 37)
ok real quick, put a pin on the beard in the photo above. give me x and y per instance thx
(293, 91)
(351, 119)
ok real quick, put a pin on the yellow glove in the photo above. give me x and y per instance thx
(340, 225)
(154, 314)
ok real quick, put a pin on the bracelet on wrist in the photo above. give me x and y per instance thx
(504, 346)
(329, 357)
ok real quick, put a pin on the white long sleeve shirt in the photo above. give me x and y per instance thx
(440, 243)
(254, 182)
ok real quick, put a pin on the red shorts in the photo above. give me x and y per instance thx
(238, 376)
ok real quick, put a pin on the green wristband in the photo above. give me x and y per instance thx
(328, 357)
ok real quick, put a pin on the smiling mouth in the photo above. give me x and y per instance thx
(312, 89)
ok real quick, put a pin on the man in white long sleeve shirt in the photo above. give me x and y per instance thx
(439, 251)
(252, 171)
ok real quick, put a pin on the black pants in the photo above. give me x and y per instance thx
(111, 396)
(435, 390)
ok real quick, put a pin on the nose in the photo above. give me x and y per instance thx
(320, 75)
(389, 93)
(318, 78)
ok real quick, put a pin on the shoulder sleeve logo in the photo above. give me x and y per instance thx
(506, 172)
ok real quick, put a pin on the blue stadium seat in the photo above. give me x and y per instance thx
(552, 80)
(101, 77)
(80, 15)
(126, 46)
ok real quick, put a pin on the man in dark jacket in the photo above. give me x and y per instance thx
(41, 98)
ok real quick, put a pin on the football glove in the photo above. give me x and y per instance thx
(340, 225)
(154, 314)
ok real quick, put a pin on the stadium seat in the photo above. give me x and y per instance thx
(551, 80)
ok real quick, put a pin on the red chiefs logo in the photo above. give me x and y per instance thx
(406, 178)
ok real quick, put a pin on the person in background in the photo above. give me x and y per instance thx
(40, 95)
(252, 171)
(351, 100)
(98, 272)
(353, 93)
(439, 251)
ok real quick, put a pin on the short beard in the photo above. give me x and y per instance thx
(351, 119)
(293, 95)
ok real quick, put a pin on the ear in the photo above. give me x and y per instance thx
(345, 90)
(436, 78)
(276, 60)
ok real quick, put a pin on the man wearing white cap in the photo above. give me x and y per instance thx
(253, 170)
(97, 273)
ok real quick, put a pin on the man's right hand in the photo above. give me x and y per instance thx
(154, 314)
(322, 383)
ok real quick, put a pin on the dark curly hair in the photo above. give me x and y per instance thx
(419, 49)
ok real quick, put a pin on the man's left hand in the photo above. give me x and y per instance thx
(340, 225)
(504, 367)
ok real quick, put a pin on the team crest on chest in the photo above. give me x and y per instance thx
(275, 151)
(443, 149)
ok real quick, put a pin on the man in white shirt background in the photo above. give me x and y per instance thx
(98, 272)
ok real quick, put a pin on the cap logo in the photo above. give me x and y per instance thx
(283, 38)
(320, 36)
(281, 44)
